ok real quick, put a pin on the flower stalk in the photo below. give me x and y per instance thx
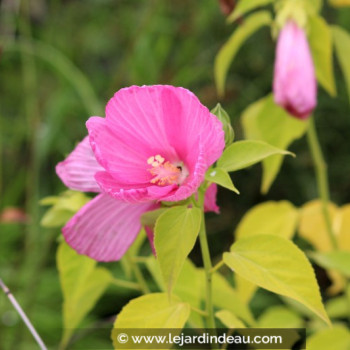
(207, 265)
(138, 274)
(208, 280)
(218, 266)
(322, 179)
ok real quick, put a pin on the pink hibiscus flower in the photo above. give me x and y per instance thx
(155, 144)
(294, 84)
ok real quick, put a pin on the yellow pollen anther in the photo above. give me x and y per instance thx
(159, 158)
(150, 160)
(165, 173)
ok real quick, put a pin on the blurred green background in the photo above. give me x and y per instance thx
(61, 60)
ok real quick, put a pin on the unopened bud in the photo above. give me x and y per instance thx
(226, 123)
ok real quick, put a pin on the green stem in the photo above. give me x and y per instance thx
(217, 266)
(200, 312)
(322, 179)
(207, 267)
(140, 259)
(138, 274)
(125, 284)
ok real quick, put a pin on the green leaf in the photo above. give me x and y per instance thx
(63, 208)
(191, 288)
(82, 285)
(335, 260)
(314, 6)
(222, 178)
(342, 49)
(245, 289)
(228, 52)
(320, 40)
(243, 154)
(137, 244)
(265, 121)
(176, 231)
(278, 265)
(154, 269)
(152, 311)
(188, 288)
(338, 307)
(337, 337)
(339, 3)
(280, 317)
(312, 226)
(229, 320)
(245, 6)
(226, 297)
(149, 218)
(275, 218)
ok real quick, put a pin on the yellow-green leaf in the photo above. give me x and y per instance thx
(265, 121)
(275, 218)
(339, 3)
(149, 218)
(341, 40)
(280, 317)
(312, 226)
(153, 311)
(337, 338)
(245, 6)
(228, 52)
(82, 285)
(188, 288)
(338, 307)
(278, 265)
(336, 260)
(320, 40)
(63, 208)
(222, 178)
(243, 154)
(343, 236)
(245, 289)
(229, 319)
(176, 232)
(226, 297)
(314, 6)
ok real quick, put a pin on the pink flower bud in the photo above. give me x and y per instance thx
(294, 85)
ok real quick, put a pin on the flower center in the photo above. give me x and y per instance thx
(166, 173)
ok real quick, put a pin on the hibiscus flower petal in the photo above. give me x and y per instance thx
(210, 199)
(126, 162)
(188, 122)
(77, 171)
(105, 228)
(131, 193)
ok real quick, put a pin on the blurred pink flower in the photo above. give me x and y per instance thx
(210, 199)
(294, 85)
(155, 144)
